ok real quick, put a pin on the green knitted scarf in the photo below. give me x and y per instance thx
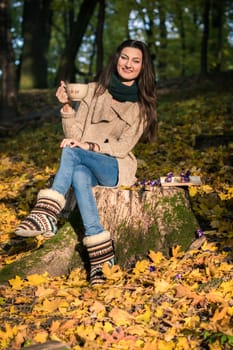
(123, 92)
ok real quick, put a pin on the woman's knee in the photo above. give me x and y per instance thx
(82, 176)
(67, 151)
(70, 154)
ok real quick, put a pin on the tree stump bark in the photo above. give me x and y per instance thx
(139, 221)
(155, 219)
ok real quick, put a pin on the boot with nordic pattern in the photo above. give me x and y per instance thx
(43, 218)
(100, 250)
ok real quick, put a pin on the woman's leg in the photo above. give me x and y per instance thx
(63, 178)
(83, 181)
(93, 169)
(84, 170)
(104, 168)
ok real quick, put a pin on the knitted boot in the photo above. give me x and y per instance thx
(43, 217)
(100, 250)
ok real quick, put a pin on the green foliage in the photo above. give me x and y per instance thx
(176, 51)
(224, 339)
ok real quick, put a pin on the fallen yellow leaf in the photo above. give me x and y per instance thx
(16, 283)
(41, 337)
(156, 257)
(36, 280)
(120, 317)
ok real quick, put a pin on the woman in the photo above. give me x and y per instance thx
(118, 110)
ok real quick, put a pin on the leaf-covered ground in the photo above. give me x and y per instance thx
(181, 302)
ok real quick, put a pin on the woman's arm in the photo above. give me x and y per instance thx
(63, 98)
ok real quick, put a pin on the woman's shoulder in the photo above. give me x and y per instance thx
(92, 87)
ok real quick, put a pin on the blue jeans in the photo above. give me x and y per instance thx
(83, 170)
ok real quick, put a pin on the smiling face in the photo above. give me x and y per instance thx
(129, 65)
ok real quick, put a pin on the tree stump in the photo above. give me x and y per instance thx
(155, 219)
(139, 221)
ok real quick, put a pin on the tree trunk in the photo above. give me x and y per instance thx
(205, 38)
(37, 17)
(181, 29)
(66, 68)
(163, 40)
(99, 36)
(148, 20)
(139, 221)
(217, 26)
(8, 98)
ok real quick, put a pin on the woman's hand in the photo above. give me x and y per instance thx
(88, 146)
(74, 143)
(63, 97)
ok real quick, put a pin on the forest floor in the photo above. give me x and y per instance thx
(179, 302)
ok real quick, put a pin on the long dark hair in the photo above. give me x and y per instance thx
(146, 86)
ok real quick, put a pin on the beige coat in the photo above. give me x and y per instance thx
(114, 126)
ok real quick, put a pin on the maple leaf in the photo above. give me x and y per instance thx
(47, 306)
(182, 343)
(141, 267)
(43, 291)
(112, 294)
(112, 272)
(20, 337)
(7, 333)
(85, 332)
(41, 337)
(191, 321)
(192, 191)
(177, 252)
(161, 286)
(156, 257)
(120, 317)
(163, 345)
(145, 316)
(54, 328)
(98, 307)
(16, 283)
(108, 327)
(212, 247)
(68, 324)
(36, 280)
(220, 314)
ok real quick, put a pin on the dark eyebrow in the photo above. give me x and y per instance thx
(138, 58)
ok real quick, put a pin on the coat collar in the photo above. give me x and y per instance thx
(101, 107)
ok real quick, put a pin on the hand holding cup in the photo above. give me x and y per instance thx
(68, 92)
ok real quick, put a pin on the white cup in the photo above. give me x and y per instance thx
(76, 91)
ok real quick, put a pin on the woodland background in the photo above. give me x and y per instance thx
(44, 41)
(179, 302)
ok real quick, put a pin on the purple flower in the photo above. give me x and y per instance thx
(152, 268)
(169, 177)
(200, 233)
